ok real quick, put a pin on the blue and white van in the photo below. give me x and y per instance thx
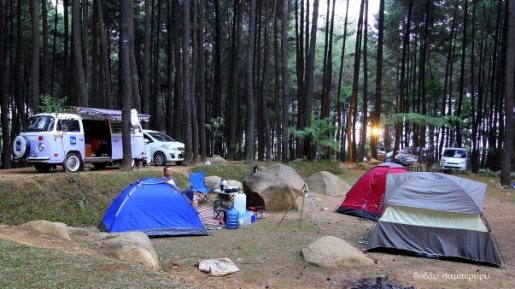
(83, 135)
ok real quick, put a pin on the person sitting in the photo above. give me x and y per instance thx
(168, 177)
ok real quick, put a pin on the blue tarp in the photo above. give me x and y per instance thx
(153, 207)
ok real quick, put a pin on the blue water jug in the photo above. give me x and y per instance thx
(231, 221)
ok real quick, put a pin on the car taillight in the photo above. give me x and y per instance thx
(40, 138)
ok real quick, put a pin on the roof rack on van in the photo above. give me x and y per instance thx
(106, 113)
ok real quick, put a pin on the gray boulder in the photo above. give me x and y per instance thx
(269, 191)
(213, 182)
(333, 252)
(134, 247)
(343, 167)
(288, 175)
(50, 228)
(325, 183)
(217, 160)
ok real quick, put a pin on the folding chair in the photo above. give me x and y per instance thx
(218, 207)
(197, 185)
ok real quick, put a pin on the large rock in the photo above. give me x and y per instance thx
(134, 247)
(213, 182)
(269, 191)
(334, 252)
(325, 183)
(217, 160)
(288, 175)
(50, 228)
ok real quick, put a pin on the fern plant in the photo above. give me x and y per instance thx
(318, 138)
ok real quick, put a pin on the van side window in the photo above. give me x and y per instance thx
(68, 125)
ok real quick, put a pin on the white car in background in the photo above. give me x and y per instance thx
(162, 149)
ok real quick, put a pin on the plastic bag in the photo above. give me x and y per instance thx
(218, 267)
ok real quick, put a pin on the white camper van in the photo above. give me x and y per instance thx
(455, 159)
(84, 135)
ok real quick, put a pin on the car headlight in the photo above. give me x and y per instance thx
(169, 147)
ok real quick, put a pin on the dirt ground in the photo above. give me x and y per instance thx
(420, 272)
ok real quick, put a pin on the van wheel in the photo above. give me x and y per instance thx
(159, 159)
(100, 166)
(42, 168)
(72, 163)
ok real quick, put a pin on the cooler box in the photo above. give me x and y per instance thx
(88, 150)
(245, 219)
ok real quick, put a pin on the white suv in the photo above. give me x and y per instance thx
(161, 148)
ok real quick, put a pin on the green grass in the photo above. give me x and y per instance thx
(81, 199)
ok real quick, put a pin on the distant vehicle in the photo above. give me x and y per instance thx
(381, 154)
(407, 155)
(82, 135)
(455, 159)
(162, 148)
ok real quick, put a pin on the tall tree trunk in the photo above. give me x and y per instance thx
(54, 49)
(285, 82)
(178, 100)
(364, 127)
(376, 117)
(44, 69)
(136, 100)
(77, 50)
(299, 37)
(202, 85)
(193, 83)
(125, 83)
(20, 104)
(354, 99)
(6, 142)
(105, 56)
(186, 47)
(35, 56)
(308, 96)
(459, 140)
(509, 92)
(250, 147)
(232, 144)
(328, 63)
(85, 40)
(265, 81)
(339, 139)
(403, 87)
(146, 62)
(66, 52)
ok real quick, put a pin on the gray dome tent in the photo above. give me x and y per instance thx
(435, 215)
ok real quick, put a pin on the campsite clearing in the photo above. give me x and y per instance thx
(269, 255)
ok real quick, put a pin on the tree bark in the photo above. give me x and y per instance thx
(250, 148)
(35, 56)
(6, 142)
(146, 63)
(509, 92)
(376, 117)
(125, 83)
(105, 56)
(186, 47)
(285, 82)
(354, 99)
(77, 50)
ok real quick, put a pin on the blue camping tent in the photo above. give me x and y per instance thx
(153, 207)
